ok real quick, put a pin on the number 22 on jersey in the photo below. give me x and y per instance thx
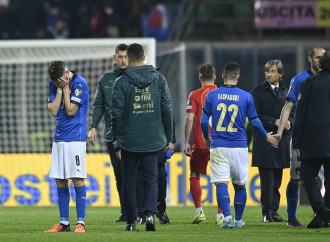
(233, 108)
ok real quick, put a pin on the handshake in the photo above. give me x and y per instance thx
(273, 139)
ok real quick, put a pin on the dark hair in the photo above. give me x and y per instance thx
(56, 69)
(206, 71)
(121, 47)
(311, 51)
(231, 70)
(325, 61)
(135, 52)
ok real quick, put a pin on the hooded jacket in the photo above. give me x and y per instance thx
(141, 111)
(102, 101)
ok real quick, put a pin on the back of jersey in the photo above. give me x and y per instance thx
(229, 106)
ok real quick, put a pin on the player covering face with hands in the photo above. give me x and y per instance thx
(68, 101)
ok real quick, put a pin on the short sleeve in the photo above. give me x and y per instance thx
(192, 105)
(79, 92)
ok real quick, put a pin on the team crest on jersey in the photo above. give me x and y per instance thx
(291, 89)
(77, 92)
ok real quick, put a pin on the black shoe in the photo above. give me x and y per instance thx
(122, 218)
(277, 218)
(163, 218)
(268, 219)
(318, 218)
(150, 223)
(130, 227)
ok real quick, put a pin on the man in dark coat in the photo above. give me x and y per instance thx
(269, 98)
(311, 137)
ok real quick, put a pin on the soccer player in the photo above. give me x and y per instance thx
(292, 190)
(68, 102)
(311, 138)
(142, 126)
(102, 105)
(229, 106)
(199, 154)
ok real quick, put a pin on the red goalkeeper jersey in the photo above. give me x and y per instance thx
(195, 105)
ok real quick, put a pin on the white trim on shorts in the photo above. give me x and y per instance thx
(68, 160)
(229, 163)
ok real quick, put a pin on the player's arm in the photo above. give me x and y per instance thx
(54, 106)
(285, 114)
(205, 128)
(71, 108)
(187, 132)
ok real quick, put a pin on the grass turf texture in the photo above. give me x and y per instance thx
(28, 224)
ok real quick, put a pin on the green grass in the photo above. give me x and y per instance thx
(28, 224)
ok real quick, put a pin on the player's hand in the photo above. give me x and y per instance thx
(277, 122)
(118, 153)
(92, 136)
(207, 143)
(287, 125)
(278, 137)
(272, 140)
(170, 146)
(187, 149)
(63, 82)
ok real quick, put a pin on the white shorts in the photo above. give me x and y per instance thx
(68, 160)
(229, 163)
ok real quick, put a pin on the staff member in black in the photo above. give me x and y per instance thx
(269, 99)
(311, 138)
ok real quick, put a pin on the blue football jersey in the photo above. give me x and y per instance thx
(228, 107)
(295, 84)
(72, 128)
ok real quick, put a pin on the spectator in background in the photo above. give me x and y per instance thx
(155, 23)
(104, 22)
(57, 22)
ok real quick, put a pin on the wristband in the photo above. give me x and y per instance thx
(59, 90)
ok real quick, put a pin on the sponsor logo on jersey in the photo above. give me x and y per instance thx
(77, 92)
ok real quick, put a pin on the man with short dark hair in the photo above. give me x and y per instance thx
(102, 105)
(142, 126)
(311, 138)
(229, 106)
(68, 101)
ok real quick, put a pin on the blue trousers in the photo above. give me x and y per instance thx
(149, 172)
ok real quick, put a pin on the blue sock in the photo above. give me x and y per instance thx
(223, 198)
(239, 202)
(63, 202)
(81, 202)
(292, 195)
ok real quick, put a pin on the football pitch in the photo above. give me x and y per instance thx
(28, 224)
